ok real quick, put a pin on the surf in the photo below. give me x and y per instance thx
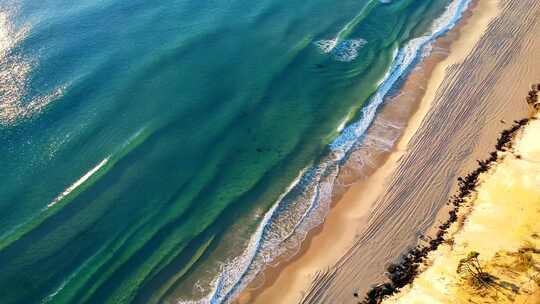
(317, 182)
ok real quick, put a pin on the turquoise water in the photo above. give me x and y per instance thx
(164, 151)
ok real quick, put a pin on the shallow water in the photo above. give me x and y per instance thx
(163, 152)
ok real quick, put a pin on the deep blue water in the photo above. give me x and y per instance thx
(157, 151)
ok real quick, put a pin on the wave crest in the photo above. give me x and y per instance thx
(344, 51)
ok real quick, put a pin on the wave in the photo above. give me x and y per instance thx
(85, 181)
(133, 141)
(304, 205)
(79, 182)
(52, 208)
(340, 47)
(345, 51)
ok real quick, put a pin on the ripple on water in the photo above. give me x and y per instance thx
(15, 70)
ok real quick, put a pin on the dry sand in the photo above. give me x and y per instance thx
(481, 82)
(503, 227)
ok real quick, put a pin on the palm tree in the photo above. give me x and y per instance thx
(471, 265)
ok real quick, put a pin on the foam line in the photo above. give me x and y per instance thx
(79, 182)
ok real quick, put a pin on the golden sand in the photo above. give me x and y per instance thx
(503, 227)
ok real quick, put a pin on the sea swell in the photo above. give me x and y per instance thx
(307, 201)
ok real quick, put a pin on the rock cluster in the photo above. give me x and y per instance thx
(532, 97)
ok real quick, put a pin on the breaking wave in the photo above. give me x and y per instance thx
(344, 51)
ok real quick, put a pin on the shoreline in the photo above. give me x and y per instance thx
(420, 87)
(471, 107)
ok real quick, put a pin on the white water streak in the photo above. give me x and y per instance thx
(79, 182)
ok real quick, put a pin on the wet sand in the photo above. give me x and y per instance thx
(403, 187)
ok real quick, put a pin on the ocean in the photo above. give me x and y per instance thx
(168, 151)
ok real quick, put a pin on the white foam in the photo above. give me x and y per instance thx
(340, 48)
(403, 61)
(343, 123)
(79, 182)
(326, 46)
(344, 51)
(233, 270)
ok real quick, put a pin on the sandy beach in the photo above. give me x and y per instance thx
(490, 254)
(396, 186)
